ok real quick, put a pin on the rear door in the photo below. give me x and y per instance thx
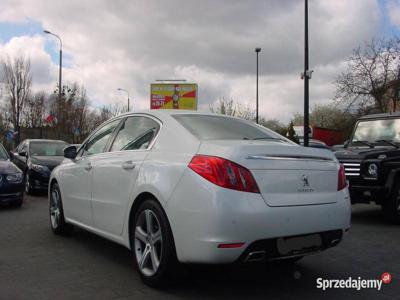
(115, 173)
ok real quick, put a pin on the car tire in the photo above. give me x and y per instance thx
(17, 203)
(391, 205)
(153, 245)
(56, 212)
(28, 185)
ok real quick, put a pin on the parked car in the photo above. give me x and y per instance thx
(372, 162)
(37, 158)
(11, 180)
(188, 187)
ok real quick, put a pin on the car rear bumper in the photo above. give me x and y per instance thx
(204, 217)
(268, 249)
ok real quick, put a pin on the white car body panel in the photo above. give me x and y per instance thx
(205, 219)
(110, 198)
(201, 214)
(76, 183)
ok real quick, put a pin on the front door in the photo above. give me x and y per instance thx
(77, 175)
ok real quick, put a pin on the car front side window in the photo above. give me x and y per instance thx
(135, 133)
(98, 141)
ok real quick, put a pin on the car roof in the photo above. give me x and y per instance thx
(381, 116)
(162, 113)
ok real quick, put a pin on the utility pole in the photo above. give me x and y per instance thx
(257, 50)
(306, 75)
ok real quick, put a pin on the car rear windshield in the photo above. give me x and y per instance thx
(47, 148)
(208, 127)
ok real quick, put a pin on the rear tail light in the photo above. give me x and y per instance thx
(342, 183)
(224, 173)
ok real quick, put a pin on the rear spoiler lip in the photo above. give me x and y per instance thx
(289, 157)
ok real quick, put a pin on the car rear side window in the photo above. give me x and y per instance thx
(208, 127)
(135, 133)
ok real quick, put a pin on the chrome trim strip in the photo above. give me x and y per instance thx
(289, 157)
(352, 174)
(351, 165)
(352, 169)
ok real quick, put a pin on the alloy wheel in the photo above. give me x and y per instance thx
(27, 184)
(148, 242)
(55, 208)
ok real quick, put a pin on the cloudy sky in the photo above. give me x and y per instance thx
(131, 43)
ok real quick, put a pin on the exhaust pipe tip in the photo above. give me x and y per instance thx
(255, 256)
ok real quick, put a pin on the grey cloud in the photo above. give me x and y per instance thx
(131, 43)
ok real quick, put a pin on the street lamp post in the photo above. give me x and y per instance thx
(60, 70)
(59, 74)
(119, 89)
(258, 50)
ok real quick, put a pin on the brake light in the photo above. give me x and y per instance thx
(224, 173)
(342, 183)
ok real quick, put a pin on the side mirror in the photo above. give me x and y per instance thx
(22, 153)
(346, 143)
(70, 152)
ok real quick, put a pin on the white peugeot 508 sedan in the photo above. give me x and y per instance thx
(188, 187)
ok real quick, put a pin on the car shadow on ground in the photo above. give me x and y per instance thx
(35, 196)
(368, 214)
(258, 281)
(239, 281)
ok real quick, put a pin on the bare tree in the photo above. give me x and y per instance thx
(329, 116)
(35, 110)
(109, 111)
(16, 78)
(372, 77)
(232, 108)
(274, 125)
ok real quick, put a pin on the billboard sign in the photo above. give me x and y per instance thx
(173, 96)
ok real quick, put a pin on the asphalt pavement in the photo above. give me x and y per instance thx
(36, 264)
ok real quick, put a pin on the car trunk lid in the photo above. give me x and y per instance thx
(286, 174)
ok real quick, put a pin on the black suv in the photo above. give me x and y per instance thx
(371, 159)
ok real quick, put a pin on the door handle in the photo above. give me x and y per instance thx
(128, 165)
(88, 166)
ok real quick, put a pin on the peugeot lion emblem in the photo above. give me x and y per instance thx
(306, 185)
(305, 181)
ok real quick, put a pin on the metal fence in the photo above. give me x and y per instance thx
(41, 133)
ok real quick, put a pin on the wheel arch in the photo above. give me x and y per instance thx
(391, 181)
(52, 182)
(142, 197)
